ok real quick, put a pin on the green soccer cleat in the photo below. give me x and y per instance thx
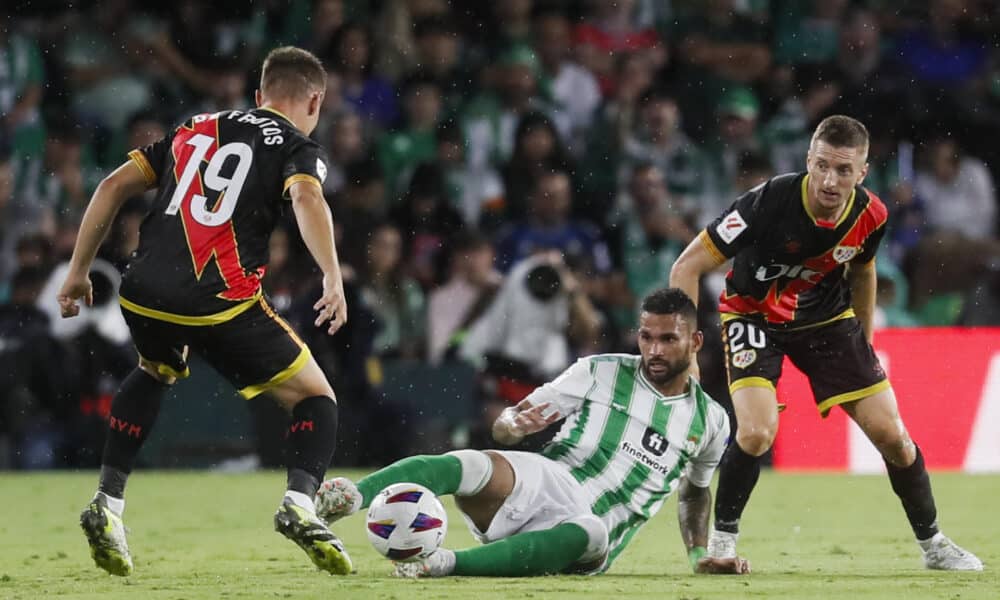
(106, 535)
(312, 535)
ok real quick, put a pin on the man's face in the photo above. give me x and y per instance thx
(648, 188)
(552, 198)
(667, 344)
(833, 173)
(553, 39)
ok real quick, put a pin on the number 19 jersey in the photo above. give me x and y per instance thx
(222, 179)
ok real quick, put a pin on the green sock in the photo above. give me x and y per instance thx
(525, 554)
(440, 474)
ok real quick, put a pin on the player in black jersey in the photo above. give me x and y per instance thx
(194, 284)
(802, 284)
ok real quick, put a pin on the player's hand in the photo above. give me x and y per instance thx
(332, 306)
(723, 566)
(532, 420)
(75, 288)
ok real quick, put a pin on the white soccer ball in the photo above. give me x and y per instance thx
(406, 522)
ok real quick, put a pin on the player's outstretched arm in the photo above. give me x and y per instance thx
(516, 422)
(694, 504)
(316, 225)
(695, 261)
(126, 181)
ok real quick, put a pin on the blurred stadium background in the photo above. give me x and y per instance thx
(466, 136)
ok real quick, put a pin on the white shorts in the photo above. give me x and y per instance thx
(544, 495)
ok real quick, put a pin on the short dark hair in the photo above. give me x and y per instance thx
(841, 131)
(670, 301)
(292, 72)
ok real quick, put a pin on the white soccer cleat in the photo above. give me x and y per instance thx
(722, 544)
(106, 535)
(440, 563)
(337, 498)
(945, 555)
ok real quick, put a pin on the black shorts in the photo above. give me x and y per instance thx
(255, 350)
(839, 362)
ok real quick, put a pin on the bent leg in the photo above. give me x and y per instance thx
(545, 552)
(878, 416)
(757, 424)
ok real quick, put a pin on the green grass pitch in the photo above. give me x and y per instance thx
(207, 535)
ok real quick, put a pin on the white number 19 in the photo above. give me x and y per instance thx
(228, 188)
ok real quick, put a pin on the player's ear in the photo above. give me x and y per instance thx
(258, 98)
(697, 340)
(864, 173)
(315, 101)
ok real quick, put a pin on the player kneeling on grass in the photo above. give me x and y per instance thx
(636, 429)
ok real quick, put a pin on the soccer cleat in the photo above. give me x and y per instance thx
(440, 563)
(337, 498)
(312, 535)
(722, 544)
(106, 535)
(945, 555)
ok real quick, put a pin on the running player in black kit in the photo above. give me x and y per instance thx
(802, 284)
(195, 283)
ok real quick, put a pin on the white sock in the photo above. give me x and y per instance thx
(448, 561)
(117, 505)
(927, 544)
(302, 500)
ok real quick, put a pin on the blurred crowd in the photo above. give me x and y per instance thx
(508, 179)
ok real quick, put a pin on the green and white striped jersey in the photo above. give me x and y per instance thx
(627, 444)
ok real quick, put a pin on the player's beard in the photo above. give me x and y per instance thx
(673, 369)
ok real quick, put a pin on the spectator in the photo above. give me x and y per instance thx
(346, 145)
(472, 190)
(350, 54)
(438, 41)
(659, 139)
(491, 119)
(470, 288)
(21, 81)
(395, 33)
(396, 300)
(609, 32)
(537, 149)
(414, 142)
(958, 192)
(359, 209)
(570, 88)
(548, 227)
(807, 32)
(427, 222)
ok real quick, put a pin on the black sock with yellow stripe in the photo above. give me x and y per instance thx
(312, 438)
(133, 413)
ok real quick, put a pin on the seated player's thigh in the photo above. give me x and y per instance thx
(256, 350)
(543, 495)
(839, 362)
(481, 507)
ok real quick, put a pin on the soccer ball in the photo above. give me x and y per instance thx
(406, 522)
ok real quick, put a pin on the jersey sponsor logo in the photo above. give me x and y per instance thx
(744, 358)
(843, 254)
(644, 458)
(731, 227)
(654, 442)
(770, 272)
(321, 170)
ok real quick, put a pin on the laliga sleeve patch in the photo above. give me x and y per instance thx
(321, 170)
(731, 227)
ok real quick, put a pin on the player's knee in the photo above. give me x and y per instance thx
(755, 439)
(477, 470)
(597, 538)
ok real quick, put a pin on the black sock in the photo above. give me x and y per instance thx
(312, 437)
(133, 412)
(738, 475)
(913, 486)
